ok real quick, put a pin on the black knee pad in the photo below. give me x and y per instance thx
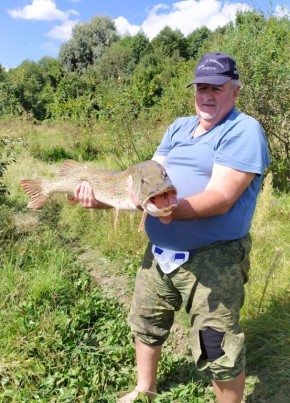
(210, 343)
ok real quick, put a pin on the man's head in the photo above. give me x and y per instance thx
(216, 69)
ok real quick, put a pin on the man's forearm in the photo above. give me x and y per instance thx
(206, 204)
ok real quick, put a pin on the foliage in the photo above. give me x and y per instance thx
(27, 83)
(268, 349)
(139, 46)
(270, 260)
(171, 42)
(7, 225)
(114, 62)
(129, 85)
(6, 158)
(88, 43)
(2, 73)
(196, 39)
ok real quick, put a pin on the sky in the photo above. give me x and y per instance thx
(32, 29)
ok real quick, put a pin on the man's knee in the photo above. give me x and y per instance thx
(210, 343)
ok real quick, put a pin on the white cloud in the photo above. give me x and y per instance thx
(124, 27)
(62, 32)
(46, 10)
(41, 10)
(186, 15)
(282, 11)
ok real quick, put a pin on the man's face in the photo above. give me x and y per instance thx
(213, 102)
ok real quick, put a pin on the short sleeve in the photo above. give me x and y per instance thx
(244, 148)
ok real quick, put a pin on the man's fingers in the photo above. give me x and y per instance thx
(84, 194)
(77, 192)
(166, 220)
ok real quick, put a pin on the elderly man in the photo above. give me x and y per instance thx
(199, 255)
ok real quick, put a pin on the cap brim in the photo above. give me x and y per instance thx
(214, 80)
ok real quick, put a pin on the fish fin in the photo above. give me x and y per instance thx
(142, 222)
(69, 166)
(116, 216)
(71, 199)
(33, 187)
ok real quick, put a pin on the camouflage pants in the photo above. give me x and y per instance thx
(210, 285)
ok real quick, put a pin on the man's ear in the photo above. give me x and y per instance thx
(236, 91)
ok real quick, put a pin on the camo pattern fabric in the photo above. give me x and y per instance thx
(210, 286)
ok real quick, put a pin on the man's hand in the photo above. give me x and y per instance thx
(84, 195)
(167, 219)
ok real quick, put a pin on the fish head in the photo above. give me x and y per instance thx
(154, 189)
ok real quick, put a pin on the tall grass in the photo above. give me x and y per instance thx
(270, 256)
(266, 313)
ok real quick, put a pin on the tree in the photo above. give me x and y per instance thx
(88, 43)
(196, 39)
(9, 104)
(139, 45)
(52, 71)
(171, 42)
(26, 83)
(114, 61)
(2, 73)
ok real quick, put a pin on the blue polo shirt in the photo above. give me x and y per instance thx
(236, 142)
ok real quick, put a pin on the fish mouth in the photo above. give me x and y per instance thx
(161, 204)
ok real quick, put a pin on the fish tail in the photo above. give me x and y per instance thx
(33, 187)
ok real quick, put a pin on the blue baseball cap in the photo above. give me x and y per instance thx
(216, 69)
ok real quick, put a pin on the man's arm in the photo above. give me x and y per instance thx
(223, 190)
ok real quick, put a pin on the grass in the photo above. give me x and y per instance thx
(60, 338)
(63, 340)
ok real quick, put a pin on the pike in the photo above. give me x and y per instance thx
(144, 186)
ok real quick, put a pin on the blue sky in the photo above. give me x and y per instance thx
(31, 29)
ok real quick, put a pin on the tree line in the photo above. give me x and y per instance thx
(102, 78)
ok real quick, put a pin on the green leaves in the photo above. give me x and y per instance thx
(88, 43)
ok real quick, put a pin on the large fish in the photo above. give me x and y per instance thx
(144, 185)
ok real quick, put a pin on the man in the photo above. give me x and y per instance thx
(199, 255)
